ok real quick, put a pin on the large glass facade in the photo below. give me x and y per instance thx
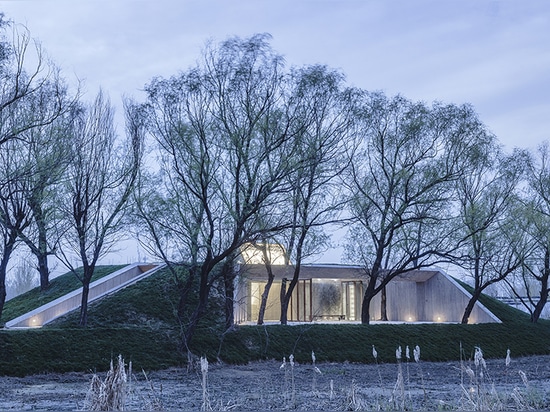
(312, 300)
(273, 307)
(423, 296)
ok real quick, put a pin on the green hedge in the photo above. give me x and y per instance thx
(353, 343)
(30, 351)
(24, 352)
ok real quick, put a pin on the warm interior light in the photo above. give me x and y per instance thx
(253, 253)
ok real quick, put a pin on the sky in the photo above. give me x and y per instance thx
(494, 54)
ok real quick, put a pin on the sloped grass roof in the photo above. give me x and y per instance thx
(59, 286)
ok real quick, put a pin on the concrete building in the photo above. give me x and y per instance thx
(334, 293)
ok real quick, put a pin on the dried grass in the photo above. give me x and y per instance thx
(109, 394)
(112, 393)
(204, 384)
(476, 391)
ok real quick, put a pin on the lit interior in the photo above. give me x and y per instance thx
(312, 300)
(253, 254)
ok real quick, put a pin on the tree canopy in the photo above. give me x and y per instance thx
(243, 149)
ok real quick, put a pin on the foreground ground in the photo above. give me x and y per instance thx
(523, 384)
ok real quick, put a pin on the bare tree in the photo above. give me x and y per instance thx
(315, 199)
(534, 219)
(21, 82)
(97, 187)
(225, 144)
(33, 98)
(14, 214)
(492, 245)
(404, 163)
(45, 150)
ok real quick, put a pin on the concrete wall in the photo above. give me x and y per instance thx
(437, 299)
(71, 301)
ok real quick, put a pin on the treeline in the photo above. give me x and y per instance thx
(242, 149)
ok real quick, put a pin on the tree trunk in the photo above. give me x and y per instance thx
(367, 298)
(543, 298)
(288, 294)
(43, 258)
(200, 310)
(265, 295)
(365, 310)
(470, 306)
(40, 249)
(267, 288)
(284, 302)
(8, 249)
(543, 288)
(383, 305)
(84, 304)
(538, 308)
(42, 254)
(229, 288)
(44, 271)
(2, 296)
(88, 272)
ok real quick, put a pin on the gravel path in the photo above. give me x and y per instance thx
(524, 384)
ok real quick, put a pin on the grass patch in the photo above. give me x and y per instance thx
(151, 303)
(59, 286)
(353, 343)
(24, 352)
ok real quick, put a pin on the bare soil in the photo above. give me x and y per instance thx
(523, 384)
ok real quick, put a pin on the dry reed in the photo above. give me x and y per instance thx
(109, 394)
(477, 388)
(204, 383)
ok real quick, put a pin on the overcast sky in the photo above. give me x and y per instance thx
(494, 54)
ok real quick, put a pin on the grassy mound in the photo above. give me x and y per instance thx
(59, 286)
(139, 322)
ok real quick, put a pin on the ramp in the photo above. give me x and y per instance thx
(71, 301)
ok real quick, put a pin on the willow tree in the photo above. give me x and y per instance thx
(97, 185)
(314, 201)
(14, 213)
(405, 161)
(44, 151)
(33, 98)
(491, 244)
(532, 282)
(225, 145)
(23, 83)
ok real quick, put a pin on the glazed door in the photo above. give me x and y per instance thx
(351, 299)
(300, 304)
